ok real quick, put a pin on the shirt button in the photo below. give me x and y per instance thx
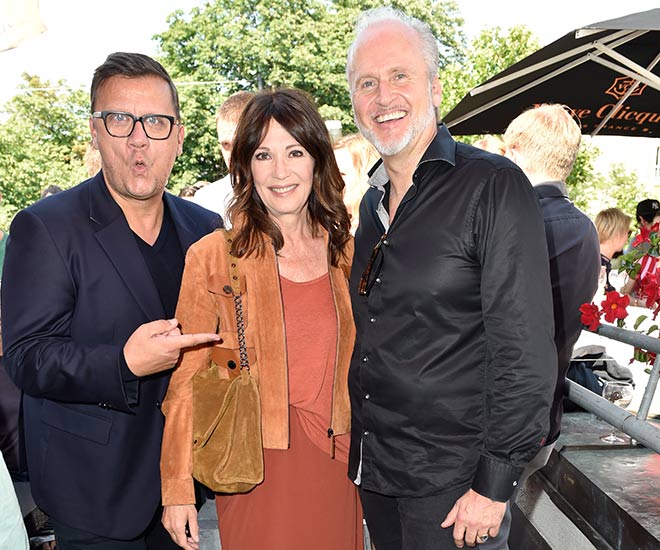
(365, 359)
(385, 242)
(365, 433)
(515, 483)
(367, 396)
(378, 280)
(372, 320)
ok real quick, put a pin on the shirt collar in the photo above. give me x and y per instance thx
(441, 148)
(551, 189)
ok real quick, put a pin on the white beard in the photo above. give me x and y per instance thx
(418, 125)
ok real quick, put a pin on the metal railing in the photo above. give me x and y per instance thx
(636, 427)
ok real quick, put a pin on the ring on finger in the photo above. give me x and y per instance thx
(482, 538)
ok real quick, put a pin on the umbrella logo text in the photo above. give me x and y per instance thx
(622, 84)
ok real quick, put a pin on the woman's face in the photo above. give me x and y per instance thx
(283, 172)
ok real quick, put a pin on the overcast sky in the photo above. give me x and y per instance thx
(81, 33)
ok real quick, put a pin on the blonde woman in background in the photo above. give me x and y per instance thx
(355, 157)
(613, 226)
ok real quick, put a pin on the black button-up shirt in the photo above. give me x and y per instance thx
(454, 365)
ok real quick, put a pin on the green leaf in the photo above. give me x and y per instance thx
(639, 321)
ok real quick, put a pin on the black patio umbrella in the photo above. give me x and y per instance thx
(607, 72)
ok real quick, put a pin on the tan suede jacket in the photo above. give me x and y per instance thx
(204, 307)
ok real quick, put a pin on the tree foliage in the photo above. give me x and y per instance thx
(250, 45)
(43, 139)
(593, 192)
(581, 180)
(492, 51)
(224, 46)
(621, 188)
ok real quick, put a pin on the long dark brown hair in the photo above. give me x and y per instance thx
(296, 113)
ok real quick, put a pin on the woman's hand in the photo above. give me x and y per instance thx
(175, 520)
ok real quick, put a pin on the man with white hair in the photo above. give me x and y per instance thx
(453, 368)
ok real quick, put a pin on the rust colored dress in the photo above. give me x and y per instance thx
(306, 499)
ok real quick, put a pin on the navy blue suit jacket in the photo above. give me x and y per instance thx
(75, 287)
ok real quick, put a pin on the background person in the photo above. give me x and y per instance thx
(50, 190)
(217, 195)
(647, 215)
(355, 156)
(544, 141)
(4, 236)
(291, 235)
(613, 227)
(188, 192)
(646, 212)
(91, 279)
(454, 364)
(12, 529)
(92, 159)
(40, 532)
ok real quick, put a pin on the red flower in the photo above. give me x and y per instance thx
(648, 288)
(614, 306)
(590, 316)
(642, 237)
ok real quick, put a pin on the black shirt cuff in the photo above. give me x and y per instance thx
(496, 479)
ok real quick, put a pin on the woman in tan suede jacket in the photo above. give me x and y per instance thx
(291, 238)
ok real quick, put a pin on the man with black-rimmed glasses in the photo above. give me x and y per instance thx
(89, 291)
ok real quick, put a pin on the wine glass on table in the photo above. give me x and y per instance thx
(621, 394)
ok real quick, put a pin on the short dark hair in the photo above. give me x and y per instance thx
(232, 107)
(295, 111)
(647, 210)
(51, 189)
(131, 65)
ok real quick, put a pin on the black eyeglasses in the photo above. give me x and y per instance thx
(370, 274)
(121, 125)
